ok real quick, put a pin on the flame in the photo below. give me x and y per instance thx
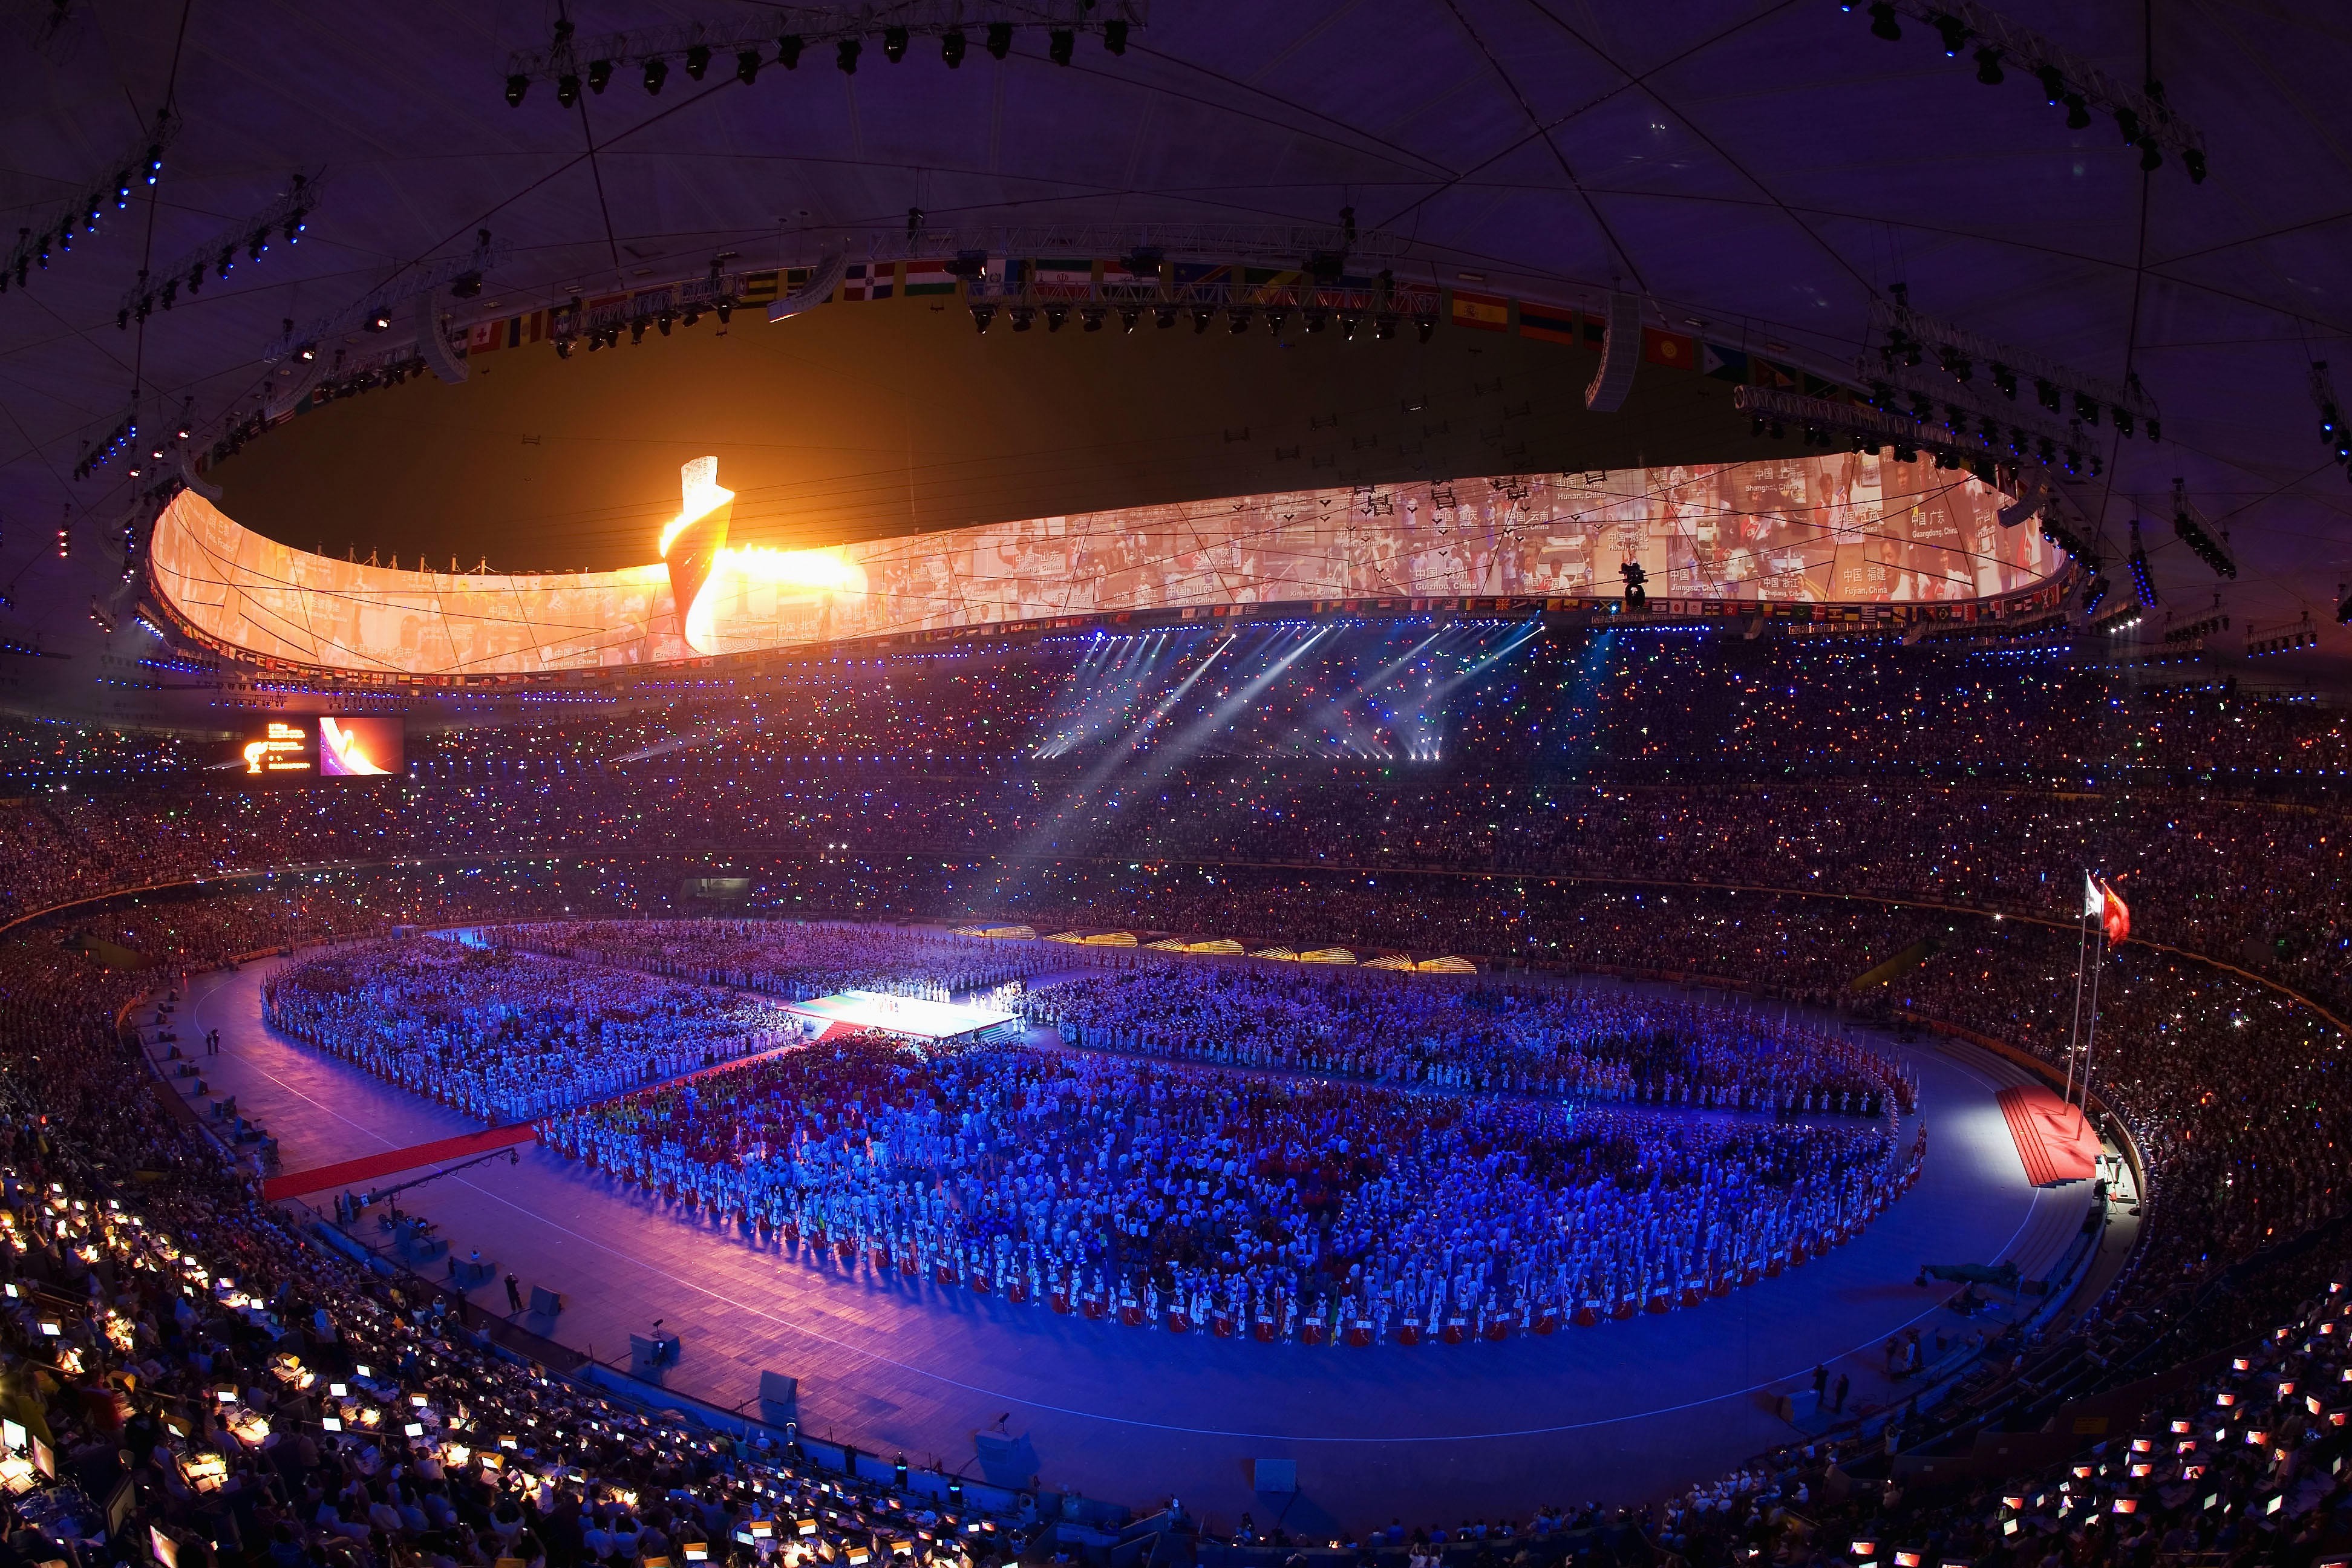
(703, 495)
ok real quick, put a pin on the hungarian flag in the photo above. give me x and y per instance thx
(2101, 901)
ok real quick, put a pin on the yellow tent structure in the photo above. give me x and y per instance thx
(1111, 939)
(1281, 952)
(1030, 932)
(1327, 955)
(1215, 944)
(1449, 964)
(1396, 960)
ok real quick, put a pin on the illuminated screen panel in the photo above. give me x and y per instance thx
(275, 749)
(1847, 527)
(361, 747)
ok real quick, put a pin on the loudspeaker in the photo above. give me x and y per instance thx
(433, 345)
(1621, 355)
(544, 1302)
(775, 1388)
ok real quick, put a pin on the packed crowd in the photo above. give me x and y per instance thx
(506, 1036)
(1226, 1202)
(1381, 1025)
(260, 1475)
(794, 960)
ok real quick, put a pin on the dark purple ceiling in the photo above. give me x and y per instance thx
(1767, 167)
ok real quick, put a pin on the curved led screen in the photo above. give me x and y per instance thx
(1841, 528)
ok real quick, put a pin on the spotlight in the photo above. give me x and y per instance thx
(1060, 44)
(746, 66)
(1955, 33)
(999, 39)
(846, 56)
(2054, 84)
(195, 277)
(1348, 325)
(2086, 409)
(2151, 156)
(1024, 318)
(982, 315)
(662, 322)
(155, 164)
(298, 224)
(951, 47)
(516, 86)
(1316, 320)
(1115, 36)
(122, 190)
(2078, 113)
(1163, 316)
(2154, 428)
(2005, 379)
(2193, 160)
(255, 243)
(379, 322)
(567, 90)
(2046, 393)
(1384, 328)
(1424, 326)
(656, 73)
(1883, 24)
(1090, 318)
(563, 348)
(637, 330)
(468, 286)
(1129, 315)
(2123, 420)
(1055, 315)
(307, 351)
(788, 51)
(698, 62)
(893, 45)
(2129, 123)
(600, 75)
(2344, 608)
(1201, 314)
(1237, 321)
(1988, 66)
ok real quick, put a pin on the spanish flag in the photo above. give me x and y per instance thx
(1487, 313)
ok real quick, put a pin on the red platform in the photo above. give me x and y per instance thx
(2052, 1139)
(365, 1169)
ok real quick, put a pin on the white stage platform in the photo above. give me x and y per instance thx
(909, 1016)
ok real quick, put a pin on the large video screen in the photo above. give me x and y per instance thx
(359, 747)
(278, 749)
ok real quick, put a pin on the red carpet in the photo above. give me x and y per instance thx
(360, 1171)
(2052, 1139)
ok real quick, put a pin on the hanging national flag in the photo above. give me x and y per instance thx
(2095, 903)
(759, 288)
(1669, 348)
(929, 277)
(1762, 371)
(1487, 313)
(2115, 916)
(1723, 364)
(1070, 279)
(1547, 325)
(883, 278)
(485, 336)
(853, 281)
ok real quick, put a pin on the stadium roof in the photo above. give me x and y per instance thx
(1760, 173)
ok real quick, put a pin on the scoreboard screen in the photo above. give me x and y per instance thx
(328, 746)
(359, 747)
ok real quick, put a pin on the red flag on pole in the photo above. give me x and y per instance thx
(2115, 915)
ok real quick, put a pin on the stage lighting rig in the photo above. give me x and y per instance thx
(485, 257)
(2143, 118)
(2343, 606)
(2332, 427)
(2143, 582)
(2197, 536)
(568, 56)
(1637, 594)
(33, 245)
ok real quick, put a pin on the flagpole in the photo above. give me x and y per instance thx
(2074, 1025)
(2091, 1039)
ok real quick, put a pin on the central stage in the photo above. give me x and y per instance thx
(933, 1022)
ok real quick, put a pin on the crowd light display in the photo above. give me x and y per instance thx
(1840, 529)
